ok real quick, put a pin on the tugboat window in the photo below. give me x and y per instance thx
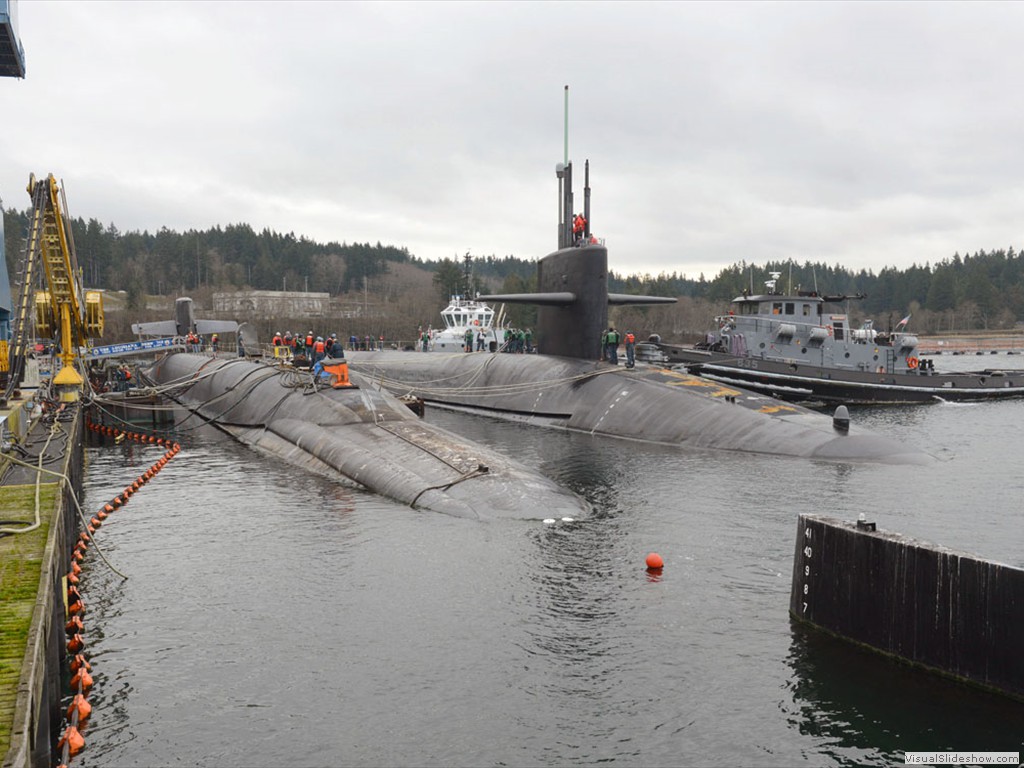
(804, 350)
(777, 308)
(789, 308)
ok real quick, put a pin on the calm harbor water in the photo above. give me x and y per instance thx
(277, 618)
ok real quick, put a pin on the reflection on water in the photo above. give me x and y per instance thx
(854, 703)
(273, 617)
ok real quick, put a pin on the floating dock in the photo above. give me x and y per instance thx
(946, 611)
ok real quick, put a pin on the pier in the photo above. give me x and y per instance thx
(33, 565)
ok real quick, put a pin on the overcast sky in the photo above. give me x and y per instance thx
(864, 134)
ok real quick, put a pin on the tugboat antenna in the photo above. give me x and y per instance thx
(466, 271)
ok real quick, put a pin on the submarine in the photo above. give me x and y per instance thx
(335, 426)
(566, 386)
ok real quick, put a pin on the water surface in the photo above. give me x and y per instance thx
(273, 617)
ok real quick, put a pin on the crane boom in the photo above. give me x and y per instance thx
(64, 311)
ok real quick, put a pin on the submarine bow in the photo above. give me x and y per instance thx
(366, 436)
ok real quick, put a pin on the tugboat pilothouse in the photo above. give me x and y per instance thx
(467, 321)
(470, 325)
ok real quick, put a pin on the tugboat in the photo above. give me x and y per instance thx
(466, 318)
(801, 347)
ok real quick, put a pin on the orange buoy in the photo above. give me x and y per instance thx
(76, 643)
(79, 703)
(78, 662)
(102, 514)
(77, 556)
(83, 536)
(76, 568)
(654, 562)
(73, 739)
(74, 626)
(81, 678)
(76, 607)
(72, 577)
(95, 522)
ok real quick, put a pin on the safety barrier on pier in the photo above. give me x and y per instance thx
(948, 611)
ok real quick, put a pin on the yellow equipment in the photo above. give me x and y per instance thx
(64, 311)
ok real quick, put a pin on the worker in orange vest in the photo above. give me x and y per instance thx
(318, 349)
(278, 339)
(579, 227)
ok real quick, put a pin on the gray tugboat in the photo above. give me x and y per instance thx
(802, 347)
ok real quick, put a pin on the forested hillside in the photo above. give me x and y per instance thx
(980, 291)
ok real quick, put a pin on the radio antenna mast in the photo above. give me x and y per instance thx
(566, 160)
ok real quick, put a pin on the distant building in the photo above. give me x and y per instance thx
(272, 303)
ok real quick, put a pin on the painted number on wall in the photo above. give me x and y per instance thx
(808, 553)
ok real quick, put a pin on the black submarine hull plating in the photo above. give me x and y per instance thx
(366, 436)
(643, 403)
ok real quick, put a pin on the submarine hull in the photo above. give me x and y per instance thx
(365, 436)
(643, 403)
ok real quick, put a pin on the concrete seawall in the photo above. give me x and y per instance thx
(34, 594)
(948, 611)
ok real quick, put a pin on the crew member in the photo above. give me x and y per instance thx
(579, 227)
(630, 349)
(612, 345)
(278, 339)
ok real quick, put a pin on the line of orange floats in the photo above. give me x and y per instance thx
(72, 742)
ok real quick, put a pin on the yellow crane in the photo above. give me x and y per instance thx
(64, 311)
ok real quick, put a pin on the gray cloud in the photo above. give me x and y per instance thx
(866, 134)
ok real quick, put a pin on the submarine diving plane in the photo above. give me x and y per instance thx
(566, 386)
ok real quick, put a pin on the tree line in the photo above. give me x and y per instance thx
(979, 291)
